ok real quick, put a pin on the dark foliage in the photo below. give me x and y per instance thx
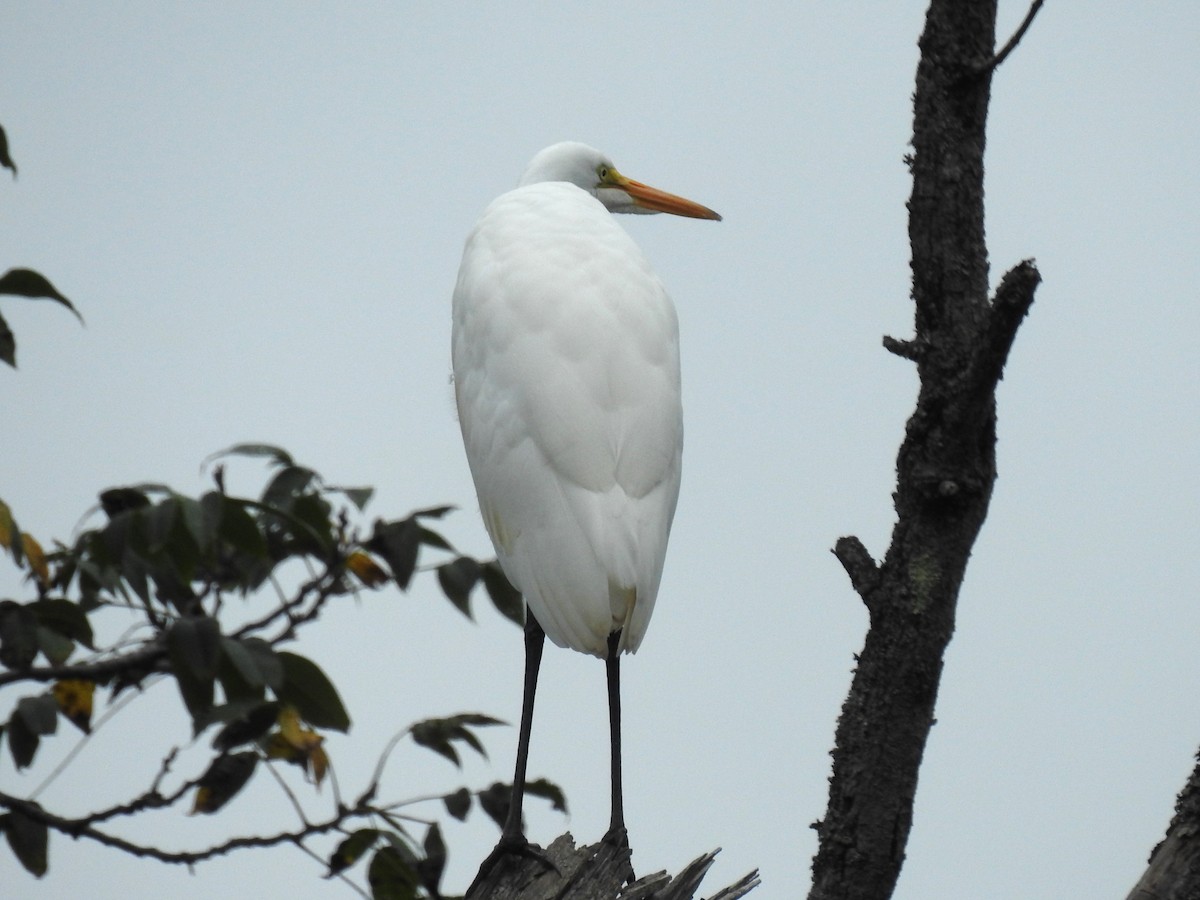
(173, 564)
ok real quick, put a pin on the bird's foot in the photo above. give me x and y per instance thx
(618, 839)
(506, 854)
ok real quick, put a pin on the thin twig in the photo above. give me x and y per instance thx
(288, 791)
(283, 610)
(341, 876)
(100, 671)
(115, 708)
(335, 787)
(80, 828)
(377, 776)
(1012, 41)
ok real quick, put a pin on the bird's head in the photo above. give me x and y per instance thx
(588, 168)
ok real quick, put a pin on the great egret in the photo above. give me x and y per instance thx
(566, 377)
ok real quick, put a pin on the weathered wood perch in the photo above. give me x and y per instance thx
(597, 872)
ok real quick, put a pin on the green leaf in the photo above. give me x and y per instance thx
(194, 643)
(547, 790)
(397, 543)
(477, 720)
(206, 530)
(250, 726)
(433, 539)
(458, 804)
(222, 780)
(94, 579)
(18, 635)
(430, 868)
(22, 742)
(64, 617)
(196, 523)
(289, 483)
(457, 577)
(170, 583)
(359, 496)
(243, 662)
(439, 735)
(267, 660)
(277, 455)
(108, 546)
(238, 671)
(315, 512)
(308, 689)
(8, 344)
(224, 713)
(40, 713)
(133, 569)
(247, 666)
(240, 529)
(115, 501)
(194, 648)
(172, 550)
(28, 283)
(28, 838)
(350, 850)
(5, 159)
(391, 876)
(506, 598)
(495, 801)
(56, 648)
(160, 520)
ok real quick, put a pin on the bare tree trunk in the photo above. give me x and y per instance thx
(1174, 870)
(945, 469)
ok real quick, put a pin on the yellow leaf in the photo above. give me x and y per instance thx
(36, 557)
(203, 802)
(318, 762)
(368, 571)
(6, 526)
(74, 698)
(278, 747)
(299, 745)
(290, 726)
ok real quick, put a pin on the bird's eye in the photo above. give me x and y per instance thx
(603, 173)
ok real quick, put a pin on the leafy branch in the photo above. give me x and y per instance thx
(23, 282)
(25, 816)
(171, 562)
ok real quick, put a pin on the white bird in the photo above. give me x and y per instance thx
(566, 376)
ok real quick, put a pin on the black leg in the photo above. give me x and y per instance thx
(616, 824)
(512, 841)
(535, 640)
(617, 837)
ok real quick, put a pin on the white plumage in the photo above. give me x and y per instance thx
(566, 374)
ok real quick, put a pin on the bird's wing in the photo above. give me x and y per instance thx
(566, 368)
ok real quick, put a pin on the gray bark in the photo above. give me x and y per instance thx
(596, 872)
(945, 469)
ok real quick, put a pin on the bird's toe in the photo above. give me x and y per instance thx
(505, 856)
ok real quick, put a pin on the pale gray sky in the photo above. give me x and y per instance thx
(259, 209)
